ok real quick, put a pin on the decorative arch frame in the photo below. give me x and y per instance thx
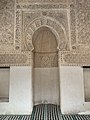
(57, 29)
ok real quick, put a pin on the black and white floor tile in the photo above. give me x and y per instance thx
(45, 112)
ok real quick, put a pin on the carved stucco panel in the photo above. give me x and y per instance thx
(15, 59)
(83, 21)
(72, 7)
(58, 26)
(52, 15)
(46, 60)
(79, 24)
(40, 6)
(7, 25)
(18, 30)
(42, 1)
(75, 58)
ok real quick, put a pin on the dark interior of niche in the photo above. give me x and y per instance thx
(6, 97)
(4, 67)
(86, 67)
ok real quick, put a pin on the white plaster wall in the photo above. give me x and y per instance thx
(20, 95)
(46, 85)
(72, 89)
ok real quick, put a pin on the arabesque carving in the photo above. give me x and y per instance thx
(15, 59)
(53, 24)
(46, 60)
(41, 6)
(73, 23)
(83, 21)
(69, 20)
(75, 58)
(42, 1)
(7, 25)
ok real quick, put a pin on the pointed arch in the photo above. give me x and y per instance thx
(55, 27)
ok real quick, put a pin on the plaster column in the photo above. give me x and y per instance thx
(59, 56)
(31, 76)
